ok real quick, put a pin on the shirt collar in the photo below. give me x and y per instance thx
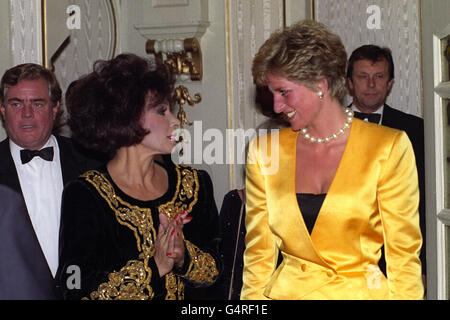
(15, 149)
(379, 111)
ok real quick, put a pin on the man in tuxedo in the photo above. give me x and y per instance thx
(370, 77)
(35, 163)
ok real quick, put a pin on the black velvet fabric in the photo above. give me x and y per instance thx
(92, 238)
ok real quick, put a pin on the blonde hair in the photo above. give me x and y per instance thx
(306, 53)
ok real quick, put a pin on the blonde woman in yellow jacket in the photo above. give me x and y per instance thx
(330, 191)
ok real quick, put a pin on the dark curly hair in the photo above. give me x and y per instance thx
(105, 106)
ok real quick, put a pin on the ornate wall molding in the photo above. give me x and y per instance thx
(25, 31)
(172, 19)
(249, 24)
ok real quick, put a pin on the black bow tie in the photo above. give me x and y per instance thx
(372, 117)
(27, 155)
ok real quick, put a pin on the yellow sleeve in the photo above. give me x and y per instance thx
(260, 254)
(398, 202)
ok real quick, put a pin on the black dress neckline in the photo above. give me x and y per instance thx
(310, 205)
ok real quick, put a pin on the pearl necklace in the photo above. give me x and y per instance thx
(347, 124)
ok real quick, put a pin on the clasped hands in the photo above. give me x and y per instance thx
(169, 245)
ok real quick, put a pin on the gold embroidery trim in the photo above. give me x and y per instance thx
(202, 268)
(186, 190)
(184, 199)
(132, 281)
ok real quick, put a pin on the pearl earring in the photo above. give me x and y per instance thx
(320, 94)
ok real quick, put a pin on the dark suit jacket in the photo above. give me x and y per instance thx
(24, 273)
(74, 162)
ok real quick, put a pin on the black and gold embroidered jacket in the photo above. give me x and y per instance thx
(107, 237)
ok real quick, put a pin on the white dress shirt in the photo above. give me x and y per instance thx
(379, 111)
(42, 185)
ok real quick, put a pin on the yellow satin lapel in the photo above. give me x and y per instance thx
(282, 201)
(341, 218)
(339, 183)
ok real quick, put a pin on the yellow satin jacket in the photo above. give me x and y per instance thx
(373, 200)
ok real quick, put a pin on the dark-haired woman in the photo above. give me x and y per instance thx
(137, 228)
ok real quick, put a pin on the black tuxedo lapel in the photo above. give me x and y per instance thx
(32, 251)
(73, 163)
(395, 118)
(8, 172)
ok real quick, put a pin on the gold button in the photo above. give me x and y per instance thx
(329, 273)
(303, 267)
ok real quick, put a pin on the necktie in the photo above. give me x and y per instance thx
(372, 117)
(27, 155)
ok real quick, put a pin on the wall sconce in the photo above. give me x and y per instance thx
(184, 57)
